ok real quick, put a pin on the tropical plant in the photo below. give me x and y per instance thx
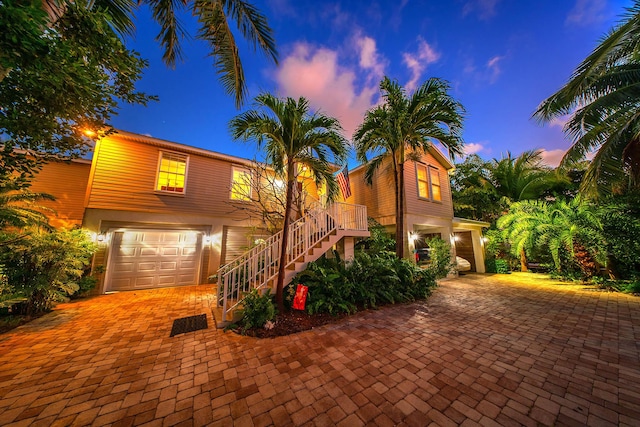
(292, 136)
(620, 219)
(472, 191)
(257, 309)
(440, 264)
(404, 125)
(367, 281)
(570, 231)
(601, 99)
(46, 266)
(19, 207)
(213, 17)
(483, 190)
(379, 239)
(58, 78)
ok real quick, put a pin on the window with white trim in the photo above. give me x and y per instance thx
(434, 179)
(172, 173)
(241, 184)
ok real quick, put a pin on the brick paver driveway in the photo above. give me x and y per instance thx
(488, 350)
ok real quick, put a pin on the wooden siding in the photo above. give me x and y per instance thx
(419, 206)
(124, 178)
(380, 197)
(67, 182)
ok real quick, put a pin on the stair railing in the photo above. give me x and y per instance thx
(257, 267)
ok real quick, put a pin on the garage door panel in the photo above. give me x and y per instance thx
(188, 251)
(171, 265)
(144, 282)
(124, 267)
(169, 280)
(146, 267)
(170, 251)
(154, 258)
(148, 252)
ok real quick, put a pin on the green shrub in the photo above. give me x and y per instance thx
(329, 289)
(380, 240)
(440, 254)
(257, 309)
(368, 281)
(499, 266)
(46, 266)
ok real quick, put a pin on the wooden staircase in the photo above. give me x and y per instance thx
(309, 238)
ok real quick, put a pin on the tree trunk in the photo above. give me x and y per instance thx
(523, 261)
(399, 222)
(291, 182)
(400, 231)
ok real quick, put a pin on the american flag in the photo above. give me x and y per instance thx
(343, 182)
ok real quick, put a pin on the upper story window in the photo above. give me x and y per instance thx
(423, 181)
(434, 178)
(172, 173)
(240, 184)
(429, 186)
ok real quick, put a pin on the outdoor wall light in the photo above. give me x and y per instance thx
(101, 237)
(207, 240)
(413, 236)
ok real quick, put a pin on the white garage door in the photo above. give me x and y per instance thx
(142, 259)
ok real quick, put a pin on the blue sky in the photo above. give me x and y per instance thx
(501, 57)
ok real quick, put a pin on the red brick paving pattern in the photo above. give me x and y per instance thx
(484, 350)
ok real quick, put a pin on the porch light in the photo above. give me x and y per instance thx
(413, 236)
(100, 237)
(207, 240)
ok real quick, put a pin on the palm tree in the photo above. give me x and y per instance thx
(213, 17)
(524, 177)
(568, 227)
(403, 125)
(292, 136)
(602, 98)
(19, 207)
(520, 226)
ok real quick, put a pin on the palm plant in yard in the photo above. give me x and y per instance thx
(292, 136)
(403, 125)
(565, 229)
(602, 100)
(19, 207)
(213, 16)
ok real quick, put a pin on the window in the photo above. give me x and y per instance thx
(240, 184)
(434, 178)
(172, 173)
(423, 183)
(428, 182)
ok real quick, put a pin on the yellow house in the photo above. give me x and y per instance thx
(428, 206)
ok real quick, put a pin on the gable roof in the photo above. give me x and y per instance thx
(435, 152)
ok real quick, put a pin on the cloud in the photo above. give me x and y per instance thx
(587, 12)
(316, 74)
(417, 62)
(487, 74)
(473, 148)
(559, 122)
(485, 9)
(552, 157)
(493, 67)
(369, 57)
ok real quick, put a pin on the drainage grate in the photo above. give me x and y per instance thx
(189, 324)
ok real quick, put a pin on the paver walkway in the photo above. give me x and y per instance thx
(482, 351)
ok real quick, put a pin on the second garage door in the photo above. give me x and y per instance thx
(142, 259)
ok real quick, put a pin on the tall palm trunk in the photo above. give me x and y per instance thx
(291, 182)
(400, 234)
(523, 261)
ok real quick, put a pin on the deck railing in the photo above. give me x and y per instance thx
(258, 267)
